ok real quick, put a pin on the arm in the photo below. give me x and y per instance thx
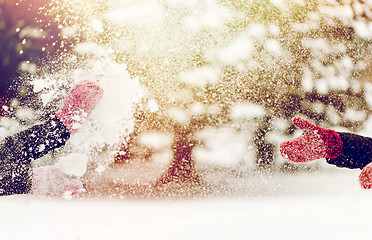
(356, 153)
(34, 142)
(340, 149)
(17, 151)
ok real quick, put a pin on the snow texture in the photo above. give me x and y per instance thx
(313, 206)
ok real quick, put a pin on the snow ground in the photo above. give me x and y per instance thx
(322, 205)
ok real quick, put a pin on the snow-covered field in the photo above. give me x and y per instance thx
(316, 205)
(328, 204)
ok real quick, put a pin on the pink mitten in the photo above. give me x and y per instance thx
(78, 104)
(315, 143)
(51, 182)
(365, 177)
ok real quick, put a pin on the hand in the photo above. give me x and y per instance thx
(365, 177)
(315, 143)
(78, 104)
(50, 182)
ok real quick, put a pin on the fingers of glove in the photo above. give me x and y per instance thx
(303, 124)
(365, 177)
(306, 148)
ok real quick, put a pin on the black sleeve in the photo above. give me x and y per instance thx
(356, 153)
(34, 142)
(15, 179)
(17, 152)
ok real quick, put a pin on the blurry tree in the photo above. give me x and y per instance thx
(290, 57)
(201, 60)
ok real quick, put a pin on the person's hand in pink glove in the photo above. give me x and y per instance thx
(52, 183)
(315, 143)
(78, 105)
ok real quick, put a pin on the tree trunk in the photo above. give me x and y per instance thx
(265, 149)
(182, 169)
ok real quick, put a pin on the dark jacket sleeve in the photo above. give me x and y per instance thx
(17, 152)
(356, 152)
(34, 142)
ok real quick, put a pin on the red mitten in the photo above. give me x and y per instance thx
(78, 104)
(365, 177)
(315, 143)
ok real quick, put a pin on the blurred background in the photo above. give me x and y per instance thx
(221, 79)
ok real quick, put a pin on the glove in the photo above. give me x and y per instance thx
(315, 143)
(78, 104)
(365, 177)
(51, 182)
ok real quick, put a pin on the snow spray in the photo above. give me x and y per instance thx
(109, 124)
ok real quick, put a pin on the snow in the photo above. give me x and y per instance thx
(354, 115)
(368, 88)
(240, 49)
(273, 46)
(156, 140)
(221, 147)
(307, 81)
(74, 164)
(110, 122)
(153, 106)
(363, 29)
(146, 14)
(25, 113)
(212, 15)
(200, 77)
(327, 205)
(244, 111)
(309, 205)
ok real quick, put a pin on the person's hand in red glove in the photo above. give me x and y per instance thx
(365, 177)
(315, 143)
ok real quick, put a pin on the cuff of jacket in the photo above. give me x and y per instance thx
(334, 144)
